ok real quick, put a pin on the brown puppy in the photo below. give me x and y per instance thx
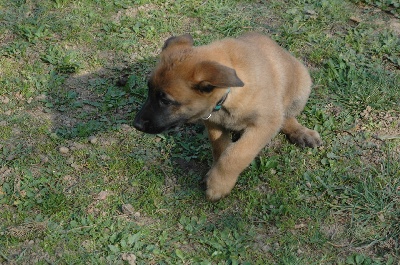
(247, 85)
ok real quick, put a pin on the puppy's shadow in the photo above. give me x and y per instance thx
(87, 104)
(83, 105)
(191, 154)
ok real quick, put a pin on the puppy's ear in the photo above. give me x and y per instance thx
(185, 40)
(209, 75)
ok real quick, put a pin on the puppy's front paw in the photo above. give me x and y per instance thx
(217, 188)
(306, 138)
(214, 195)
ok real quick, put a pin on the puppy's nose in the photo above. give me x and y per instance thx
(140, 124)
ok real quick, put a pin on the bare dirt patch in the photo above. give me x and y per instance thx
(6, 38)
(27, 230)
(394, 24)
(29, 253)
(192, 166)
(386, 128)
(372, 130)
(133, 11)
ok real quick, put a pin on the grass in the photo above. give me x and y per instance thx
(71, 70)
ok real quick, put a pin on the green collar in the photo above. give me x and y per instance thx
(219, 104)
(221, 101)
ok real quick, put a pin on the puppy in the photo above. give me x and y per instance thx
(247, 85)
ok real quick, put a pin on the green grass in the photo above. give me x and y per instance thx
(61, 67)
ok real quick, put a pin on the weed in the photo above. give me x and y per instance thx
(63, 62)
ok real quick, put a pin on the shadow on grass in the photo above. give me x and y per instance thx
(83, 105)
(102, 101)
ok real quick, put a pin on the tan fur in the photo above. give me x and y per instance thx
(276, 88)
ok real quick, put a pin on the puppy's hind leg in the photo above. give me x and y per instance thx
(300, 135)
(297, 133)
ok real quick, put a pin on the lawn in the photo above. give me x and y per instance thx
(79, 185)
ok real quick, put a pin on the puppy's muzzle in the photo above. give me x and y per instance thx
(149, 121)
(141, 124)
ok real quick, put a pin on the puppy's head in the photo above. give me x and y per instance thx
(183, 87)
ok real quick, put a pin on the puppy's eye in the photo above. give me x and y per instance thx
(163, 99)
